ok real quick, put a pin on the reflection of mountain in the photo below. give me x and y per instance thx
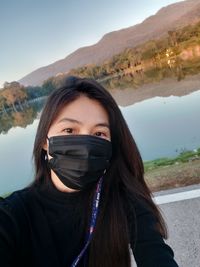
(21, 118)
(165, 88)
(168, 18)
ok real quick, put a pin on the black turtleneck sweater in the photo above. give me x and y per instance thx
(44, 227)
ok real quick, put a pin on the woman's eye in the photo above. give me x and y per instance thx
(101, 134)
(68, 130)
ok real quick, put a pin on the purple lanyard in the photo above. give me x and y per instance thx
(95, 208)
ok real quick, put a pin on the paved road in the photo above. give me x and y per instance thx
(183, 221)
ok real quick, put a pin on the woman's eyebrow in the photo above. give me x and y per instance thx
(70, 120)
(102, 124)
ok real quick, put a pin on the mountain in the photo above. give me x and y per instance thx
(167, 18)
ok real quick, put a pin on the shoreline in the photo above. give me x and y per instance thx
(164, 88)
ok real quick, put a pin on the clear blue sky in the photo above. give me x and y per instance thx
(35, 33)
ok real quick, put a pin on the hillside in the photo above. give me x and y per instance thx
(167, 18)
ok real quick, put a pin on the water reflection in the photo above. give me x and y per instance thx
(22, 117)
(15, 157)
(165, 127)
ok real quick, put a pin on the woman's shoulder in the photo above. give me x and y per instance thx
(12, 205)
(13, 221)
(19, 192)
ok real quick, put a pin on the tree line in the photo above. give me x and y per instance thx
(152, 51)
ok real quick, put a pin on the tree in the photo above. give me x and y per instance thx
(14, 93)
(48, 86)
(173, 38)
(2, 103)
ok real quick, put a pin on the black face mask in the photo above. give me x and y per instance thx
(79, 160)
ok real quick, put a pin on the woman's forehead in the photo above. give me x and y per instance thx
(83, 110)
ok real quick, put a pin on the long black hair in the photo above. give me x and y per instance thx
(124, 180)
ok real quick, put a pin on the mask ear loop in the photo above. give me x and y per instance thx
(47, 152)
(46, 157)
(47, 147)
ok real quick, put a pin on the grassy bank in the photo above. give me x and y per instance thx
(165, 173)
(183, 157)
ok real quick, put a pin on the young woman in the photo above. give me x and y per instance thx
(88, 204)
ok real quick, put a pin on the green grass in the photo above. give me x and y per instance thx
(181, 158)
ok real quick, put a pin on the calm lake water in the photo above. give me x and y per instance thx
(161, 126)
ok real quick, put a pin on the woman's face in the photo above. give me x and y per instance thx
(82, 116)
